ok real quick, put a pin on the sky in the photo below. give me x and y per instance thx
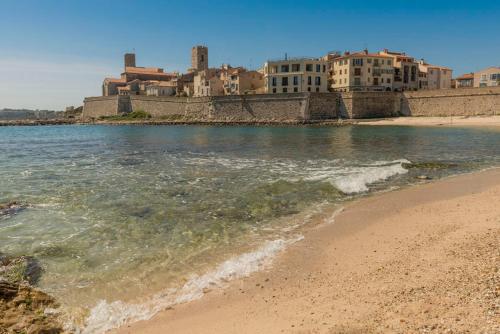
(54, 53)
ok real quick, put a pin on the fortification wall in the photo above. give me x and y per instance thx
(451, 102)
(159, 107)
(368, 104)
(262, 107)
(298, 107)
(95, 107)
(323, 106)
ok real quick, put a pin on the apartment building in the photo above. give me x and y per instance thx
(208, 83)
(361, 71)
(488, 77)
(295, 75)
(405, 70)
(465, 81)
(433, 76)
(239, 80)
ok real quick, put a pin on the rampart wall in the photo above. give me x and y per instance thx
(302, 107)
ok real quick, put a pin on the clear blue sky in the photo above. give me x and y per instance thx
(53, 53)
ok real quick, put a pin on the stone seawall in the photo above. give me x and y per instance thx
(302, 107)
(368, 104)
(451, 102)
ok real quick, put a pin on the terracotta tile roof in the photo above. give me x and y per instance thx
(466, 76)
(145, 70)
(362, 54)
(115, 80)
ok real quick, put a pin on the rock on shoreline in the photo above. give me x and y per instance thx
(23, 308)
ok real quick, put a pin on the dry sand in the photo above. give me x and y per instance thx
(418, 260)
(483, 121)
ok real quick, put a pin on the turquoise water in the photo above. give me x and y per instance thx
(130, 214)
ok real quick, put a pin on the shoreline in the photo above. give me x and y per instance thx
(431, 121)
(393, 262)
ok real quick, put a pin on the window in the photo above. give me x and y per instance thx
(285, 90)
(389, 62)
(308, 89)
(369, 70)
(383, 61)
(357, 71)
(274, 90)
(317, 81)
(388, 80)
(274, 81)
(413, 73)
(317, 89)
(295, 67)
(324, 68)
(318, 68)
(284, 81)
(375, 62)
(309, 67)
(285, 68)
(309, 80)
(295, 80)
(202, 57)
(295, 89)
(357, 62)
(381, 80)
(345, 71)
(357, 81)
(369, 60)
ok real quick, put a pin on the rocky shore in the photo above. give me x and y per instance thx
(23, 308)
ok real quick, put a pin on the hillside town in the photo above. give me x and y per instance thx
(335, 72)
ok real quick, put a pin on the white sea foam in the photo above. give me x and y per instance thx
(356, 179)
(105, 316)
(361, 177)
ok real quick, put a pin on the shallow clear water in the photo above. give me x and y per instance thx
(122, 212)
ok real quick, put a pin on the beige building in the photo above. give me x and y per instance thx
(405, 71)
(132, 78)
(465, 81)
(295, 76)
(433, 77)
(361, 71)
(208, 83)
(487, 78)
(239, 81)
(166, 88)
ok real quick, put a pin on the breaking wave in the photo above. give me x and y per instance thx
(105, 316)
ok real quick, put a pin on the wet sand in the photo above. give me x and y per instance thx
(422, 259)
(483, 121)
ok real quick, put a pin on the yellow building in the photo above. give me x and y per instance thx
(361, 71)
(295, 75)
(405, 71)
(433, 76)
(487, 78)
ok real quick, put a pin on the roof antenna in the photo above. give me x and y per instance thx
(286, 56)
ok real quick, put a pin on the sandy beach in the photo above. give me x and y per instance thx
(482, 121)
(422, 259)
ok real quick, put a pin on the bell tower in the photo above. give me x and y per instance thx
(199, 58)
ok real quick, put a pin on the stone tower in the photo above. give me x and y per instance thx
(199, 58)
(130, 60)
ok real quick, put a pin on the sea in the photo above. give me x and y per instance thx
(129, 220)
